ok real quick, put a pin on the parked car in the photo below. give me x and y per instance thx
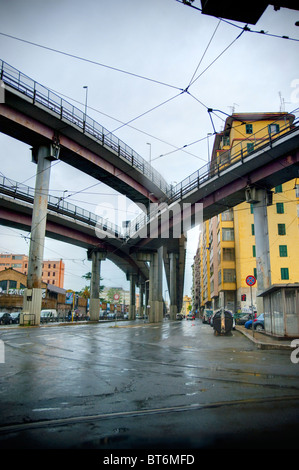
(207, 314)
(179, 316)
(15, 316)
(190, 316)
(111, 316)
(5, 318)
(126, 316)
(258, 323)
(242, 320)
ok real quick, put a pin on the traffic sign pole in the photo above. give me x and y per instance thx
(250, 281)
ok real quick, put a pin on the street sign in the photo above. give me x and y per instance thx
(116, 297)
(250, 280)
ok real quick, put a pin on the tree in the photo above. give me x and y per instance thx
(85, 292)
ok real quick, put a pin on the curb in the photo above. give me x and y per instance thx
(265, 344)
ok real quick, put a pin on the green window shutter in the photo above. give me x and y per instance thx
(248, 128)
(252, 229)
(279, 208)
(253, 251)
(283, 251)
(284, 273)
(250, 147)
(278, 189)
(281, 229)
(254, 273)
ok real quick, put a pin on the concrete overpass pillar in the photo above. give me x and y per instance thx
(32, 300)
(173, 309)
(96, 257)
(132, 306)
(153, 291)
(263, 267)
(141, 297)
(155, 288)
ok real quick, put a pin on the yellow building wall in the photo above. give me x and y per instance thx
(239, 137)
(244, 238)
(290, 219)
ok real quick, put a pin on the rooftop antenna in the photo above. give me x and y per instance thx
(233, 107)
(282, 103)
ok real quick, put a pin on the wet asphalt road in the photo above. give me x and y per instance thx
(134, 385)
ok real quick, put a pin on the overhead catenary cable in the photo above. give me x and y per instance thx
(94, 62)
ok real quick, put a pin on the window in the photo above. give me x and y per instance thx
(227, 234)
(250, 147)
(225, 140)
(248, 128)
(251, 208)
(228, 254)
(281, 229)
(229, 275)
(227, 215)
(283, 251)
(255, 273)
(279, 208)
(253, 251)
(252, 229)
(278, 189)
(284, 272)
(273, 128)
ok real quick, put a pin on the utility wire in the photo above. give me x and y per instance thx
(204, 54)
(90, 61)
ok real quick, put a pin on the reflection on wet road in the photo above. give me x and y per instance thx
(120, 376)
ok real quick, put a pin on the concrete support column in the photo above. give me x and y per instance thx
(263, 267)
(173, 309)
(32, 300)
(96, 257)
(141, 296)
(132, 306)
(155, 288)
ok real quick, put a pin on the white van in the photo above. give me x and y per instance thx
(48, 315)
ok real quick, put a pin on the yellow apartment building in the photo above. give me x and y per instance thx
(226, 253)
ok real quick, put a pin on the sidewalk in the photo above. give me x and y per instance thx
(264, 341)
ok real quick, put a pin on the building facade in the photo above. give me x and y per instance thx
(226, 253)
(53, 270)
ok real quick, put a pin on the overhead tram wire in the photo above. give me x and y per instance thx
(202, 57)
(73, 56)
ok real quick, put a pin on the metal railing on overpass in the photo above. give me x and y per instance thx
(75, 117)
(59, 205)
(228, 158)
(257, 142)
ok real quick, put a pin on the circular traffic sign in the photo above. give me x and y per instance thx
(116, 296)
(250, 280)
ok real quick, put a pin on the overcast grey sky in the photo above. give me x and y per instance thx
(158, 39)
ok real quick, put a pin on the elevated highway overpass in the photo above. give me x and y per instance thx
(55, 129)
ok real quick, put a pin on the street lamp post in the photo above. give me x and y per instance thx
(85, 112)
(150, 152)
